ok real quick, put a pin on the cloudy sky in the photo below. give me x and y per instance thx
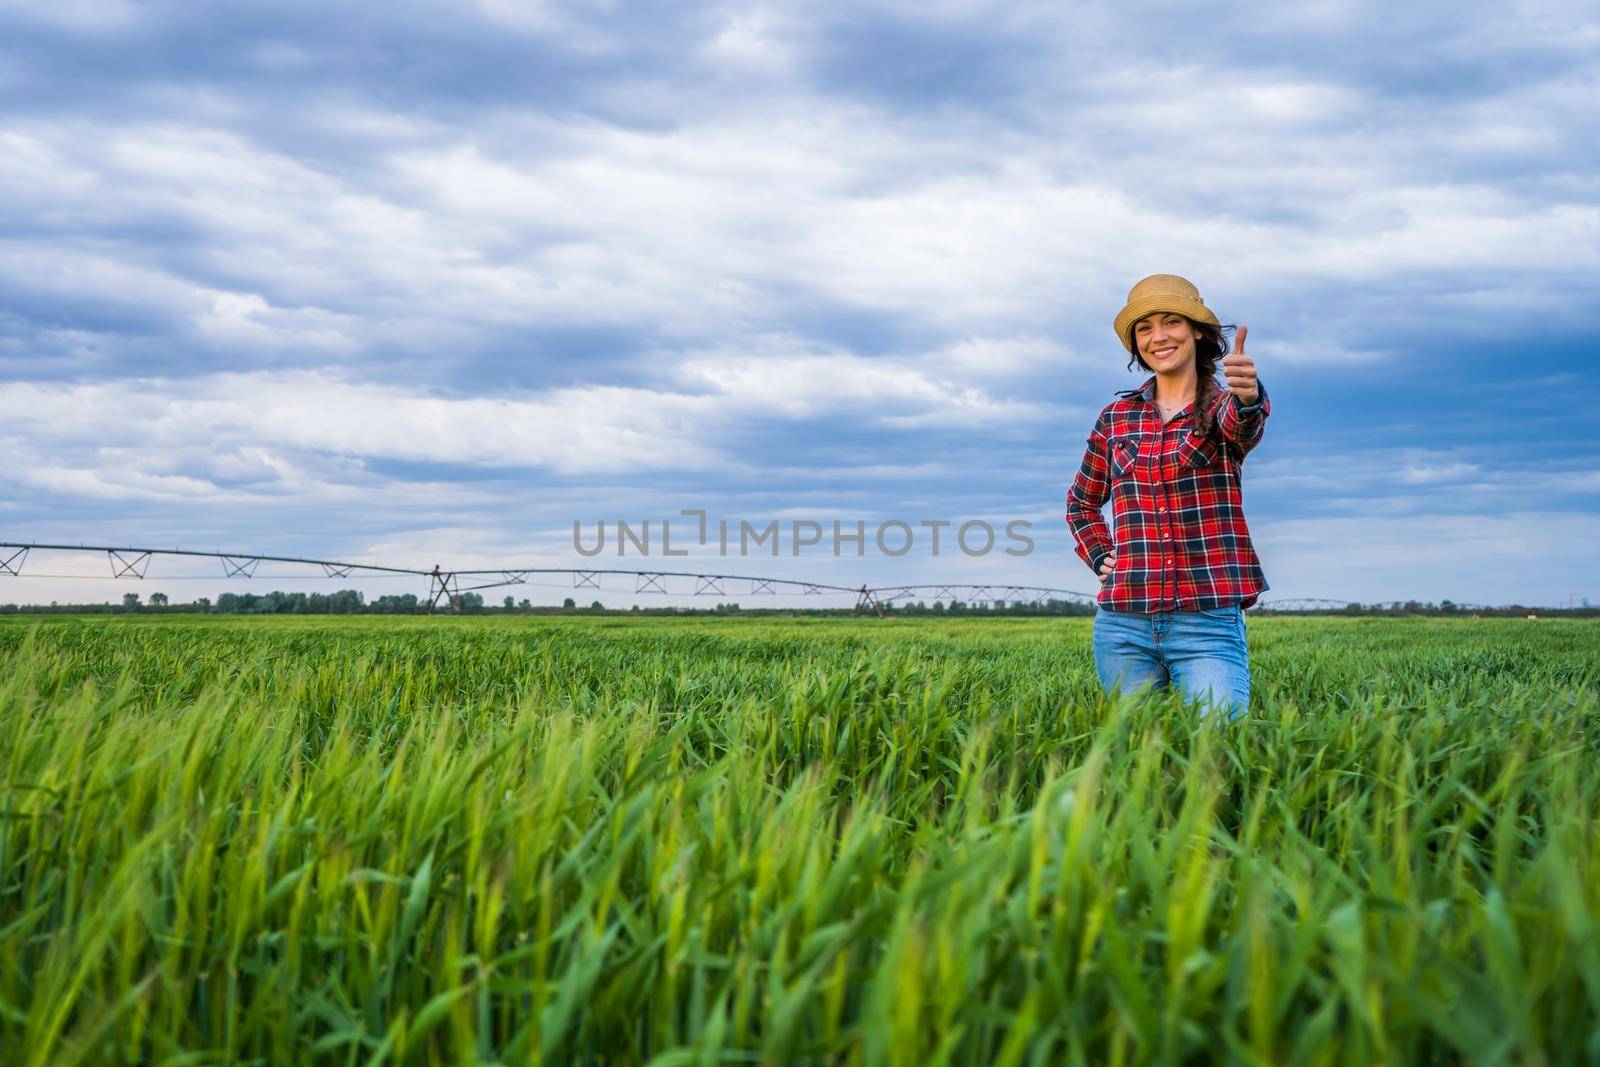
(429, 283)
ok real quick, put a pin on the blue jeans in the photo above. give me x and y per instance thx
(1203, 652)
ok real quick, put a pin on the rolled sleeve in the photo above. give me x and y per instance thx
(1243, 423)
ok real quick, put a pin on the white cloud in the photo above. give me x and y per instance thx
(797, 383)
(250, 419)
(757, 40)
(1010, 360)
(750, 216)
(573, 430)
(1424, 474)
(92, 17)
(1402, 480)
(109, 483)
(246, 319)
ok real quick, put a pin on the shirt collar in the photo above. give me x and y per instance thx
(1146, 392)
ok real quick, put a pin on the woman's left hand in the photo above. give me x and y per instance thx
(1241, 371)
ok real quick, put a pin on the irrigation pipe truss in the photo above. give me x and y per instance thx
(446, 586)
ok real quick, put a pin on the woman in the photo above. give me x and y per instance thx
(1179, 570)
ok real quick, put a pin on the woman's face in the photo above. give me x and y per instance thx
(1165, 341)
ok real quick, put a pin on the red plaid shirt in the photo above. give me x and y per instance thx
(1180, 536)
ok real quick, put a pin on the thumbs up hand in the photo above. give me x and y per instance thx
(1240, 370)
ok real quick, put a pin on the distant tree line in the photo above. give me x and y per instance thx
(1443, 607)
(353, 602)
(343, 602)
(992, 607)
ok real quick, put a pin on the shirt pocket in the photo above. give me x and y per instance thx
(1124, 453)
(1196, 451)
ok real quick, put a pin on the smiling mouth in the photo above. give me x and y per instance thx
(1165, 352)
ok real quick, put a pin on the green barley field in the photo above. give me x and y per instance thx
(722, 841)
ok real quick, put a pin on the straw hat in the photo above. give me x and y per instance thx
(1161, 292)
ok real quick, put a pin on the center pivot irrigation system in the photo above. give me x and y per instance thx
(446, 586)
